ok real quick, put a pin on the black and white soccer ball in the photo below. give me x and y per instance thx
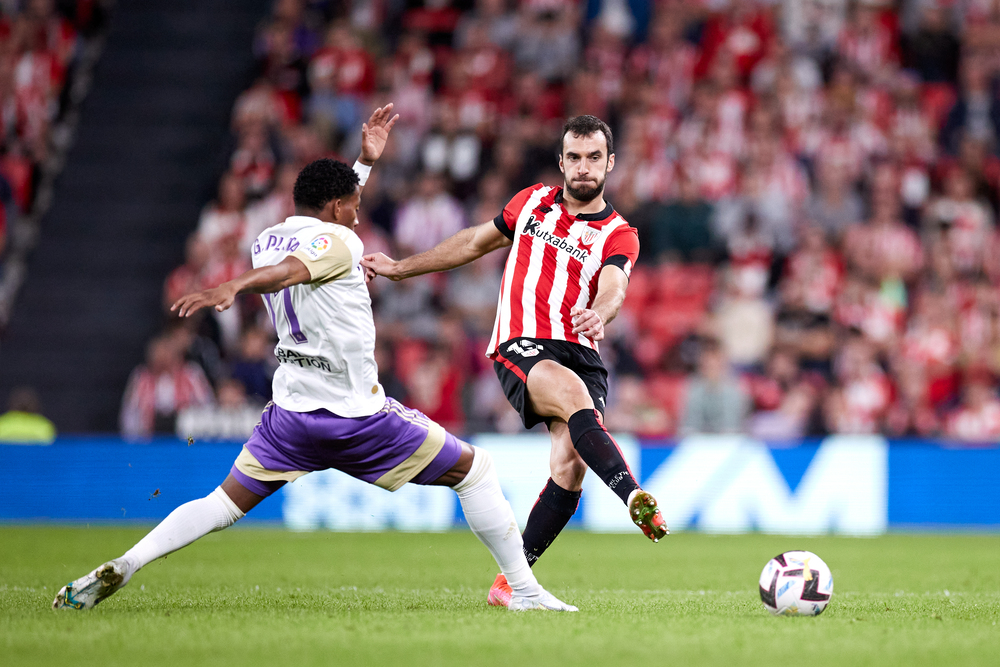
(796, 583)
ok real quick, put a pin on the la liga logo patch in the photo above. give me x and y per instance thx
(318, 246)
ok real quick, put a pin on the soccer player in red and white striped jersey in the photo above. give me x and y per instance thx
(565, 279)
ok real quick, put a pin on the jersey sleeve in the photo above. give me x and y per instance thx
(622, 249)
(327, 257)
(506, 222)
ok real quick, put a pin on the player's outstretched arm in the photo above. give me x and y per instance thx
(611, 286)
(456, 250)
(290, 271)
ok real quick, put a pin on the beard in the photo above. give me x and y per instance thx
(586, 192)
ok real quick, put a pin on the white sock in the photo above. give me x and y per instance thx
(492, 521)
(182, 527)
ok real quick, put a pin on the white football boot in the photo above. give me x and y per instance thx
(88, 590)
(544, 600)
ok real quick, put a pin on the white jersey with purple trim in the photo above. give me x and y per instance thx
(326, 334)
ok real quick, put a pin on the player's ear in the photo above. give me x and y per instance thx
(611, 162)
(561, 167)
(329, 212)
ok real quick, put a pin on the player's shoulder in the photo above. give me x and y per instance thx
(617, 224)
(318, 239)
(538, 189)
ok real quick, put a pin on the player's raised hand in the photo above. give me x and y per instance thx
(378, 264)
(221, 297)
(587, 322)
(375, 133)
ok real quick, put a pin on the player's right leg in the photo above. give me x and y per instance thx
(555, 391)
(220, 509)
(491, 519)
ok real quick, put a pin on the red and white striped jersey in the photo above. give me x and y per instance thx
(554, 264)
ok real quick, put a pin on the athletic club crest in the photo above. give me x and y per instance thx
(589, 236)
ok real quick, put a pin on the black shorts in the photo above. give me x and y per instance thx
(515, 359)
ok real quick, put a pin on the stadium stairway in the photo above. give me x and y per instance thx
(150, 144)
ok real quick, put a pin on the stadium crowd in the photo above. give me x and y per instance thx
(814, 182)
(39, 47)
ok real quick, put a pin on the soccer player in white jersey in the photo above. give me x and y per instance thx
(329, 410)
(565, 279)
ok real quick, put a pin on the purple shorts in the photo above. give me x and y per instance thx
(394, 446)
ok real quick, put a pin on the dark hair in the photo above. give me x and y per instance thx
(584, 126)
(321, 182)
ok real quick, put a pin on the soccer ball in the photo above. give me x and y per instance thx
(796, 583)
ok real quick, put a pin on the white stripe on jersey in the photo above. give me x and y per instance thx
(558, 292)
(529, 324)
(502, 325)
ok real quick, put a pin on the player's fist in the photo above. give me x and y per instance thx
(587, 322)
(379, 264)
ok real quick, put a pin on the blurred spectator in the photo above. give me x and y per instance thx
(960, 221)
(715, 402)
(23, 423)
(342, 75)
(406, 309)
(884, 248)
(806, 332)
(912, 414)
(430, 216)
(816, 269)
(3, 232)
(190, 276)
(862, 395)
(225, 216)
(387, 377)
(271, 210)
(867, 42)
(833, 205)
(472, 292)
(548, 41)
(233, 418)
(976, 113)
(744, 324)
(435, 388)
(160, 388)
(253, 366)
(978, 418)
(681, 228)
(449, 150)
(634, 410)
(495, 15)
(253, 162)
(933, 48)
(790, 420)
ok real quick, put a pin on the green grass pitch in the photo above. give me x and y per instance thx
(256, 596)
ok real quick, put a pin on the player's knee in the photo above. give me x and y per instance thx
(559, 394)
(230, 513)
(482, 470)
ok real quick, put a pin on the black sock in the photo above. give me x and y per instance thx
(601, 453)
(548, 517)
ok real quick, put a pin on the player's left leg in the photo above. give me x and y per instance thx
(220, 509)
(560, 498)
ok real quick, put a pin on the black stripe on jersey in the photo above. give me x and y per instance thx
(502, 226)
(617, 260)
